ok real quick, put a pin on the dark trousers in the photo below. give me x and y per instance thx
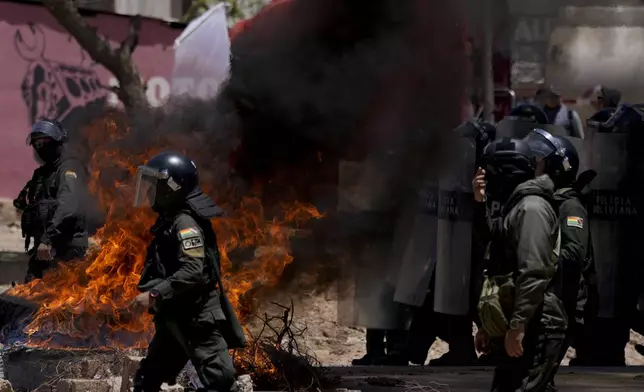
(37, 268)
(609, 337)
(534, 369)
(423, 331)
(428, 325)
(391, 341)
(166, 358)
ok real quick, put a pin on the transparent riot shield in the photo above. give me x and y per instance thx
(515, 129)
(454, 235)
(415, 243)
(369, 273)
(608, 209)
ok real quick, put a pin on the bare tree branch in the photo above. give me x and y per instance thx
(131, 41)
(117, 60)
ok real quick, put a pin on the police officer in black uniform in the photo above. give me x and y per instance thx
(575, 267)
(181, 281)
(53, 202)
(524, 319)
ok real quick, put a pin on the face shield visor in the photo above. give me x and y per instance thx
(147, 179)
(545, 146)
(46, 129)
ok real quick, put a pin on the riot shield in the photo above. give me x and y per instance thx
(454, 236)
(366, 287)
(415, 242)
(609, 209)
(516, 129)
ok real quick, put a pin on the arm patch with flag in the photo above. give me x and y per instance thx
(191, 242)
(189, 233)
(575, 221)
(71, 174)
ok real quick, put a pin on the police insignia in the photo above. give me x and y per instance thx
(192, 243)
(188, 233)
(575, 221)
(70, 174)
(193, 247)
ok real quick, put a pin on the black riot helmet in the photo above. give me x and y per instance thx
(165, 181)
(626, 118)
(480, 131)
(560, 156)
(47, 138)
(507, 163)
(528, 113)
(598, 120)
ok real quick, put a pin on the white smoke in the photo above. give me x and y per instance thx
(611, 56)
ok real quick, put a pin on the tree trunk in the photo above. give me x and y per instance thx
(118, 61)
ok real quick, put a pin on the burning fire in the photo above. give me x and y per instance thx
(86, 304)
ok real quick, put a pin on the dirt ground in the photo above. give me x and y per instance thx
(336, 345)
(332, 344)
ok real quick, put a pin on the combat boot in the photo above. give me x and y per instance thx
(370, 360)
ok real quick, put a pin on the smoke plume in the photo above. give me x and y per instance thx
(317, 82)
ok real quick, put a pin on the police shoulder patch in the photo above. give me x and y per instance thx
(192, 243)
(193, 247)
(575, 221)
(71, 174)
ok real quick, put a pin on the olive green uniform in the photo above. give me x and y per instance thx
(524, 243)
(193, 318)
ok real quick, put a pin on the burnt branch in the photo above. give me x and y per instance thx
(117, 60)
(275, 357)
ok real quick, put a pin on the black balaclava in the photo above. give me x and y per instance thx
(48, 152)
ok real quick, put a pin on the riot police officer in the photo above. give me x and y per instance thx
(52, 202)
(181, 282)
(529, 113)
(575, 257)
(521, 315)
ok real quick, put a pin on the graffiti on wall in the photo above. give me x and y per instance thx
(55, 89)
(46, 74)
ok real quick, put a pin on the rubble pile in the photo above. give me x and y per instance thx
(51, 370)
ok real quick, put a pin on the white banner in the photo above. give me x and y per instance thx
(202, 55)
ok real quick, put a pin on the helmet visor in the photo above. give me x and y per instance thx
(541, 143)
(45, 129)
(32, 137)
(146, 186)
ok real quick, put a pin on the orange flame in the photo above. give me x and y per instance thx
(86, 303)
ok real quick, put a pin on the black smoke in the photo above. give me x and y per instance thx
(316, 82)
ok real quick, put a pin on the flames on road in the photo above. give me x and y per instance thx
(87, 303)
